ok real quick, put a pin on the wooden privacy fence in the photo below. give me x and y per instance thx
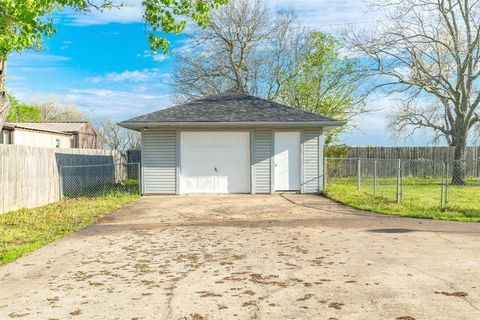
(416, 161)
(443, 154)
(390, 168)
(29, 176)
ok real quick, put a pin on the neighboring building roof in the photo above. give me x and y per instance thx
(52, 126)
(229, 108)
(28, 126)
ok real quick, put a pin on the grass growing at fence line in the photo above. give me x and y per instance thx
(25, 230)
(421, 198)
(102, 189)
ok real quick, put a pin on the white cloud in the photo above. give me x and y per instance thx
(131, 76)
(159, 57)
(116, 104)
(29, 57)
(131, 13)
(94, 92)
(155, 57)
(373, 126)
(326, 15)
(65, 45)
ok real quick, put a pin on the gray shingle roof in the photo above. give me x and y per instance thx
(229, 107)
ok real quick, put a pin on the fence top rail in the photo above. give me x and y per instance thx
(404, 160)
(101, 165)
(381, 159)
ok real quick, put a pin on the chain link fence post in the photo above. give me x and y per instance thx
(446, 186)
(139, 177)
(325, 168)
(442, 189)
(359, 174)
(60, 181)
(399, 175)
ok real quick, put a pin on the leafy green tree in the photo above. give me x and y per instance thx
(171, 16)
(24, 24)
(22, 112)
(327, 83)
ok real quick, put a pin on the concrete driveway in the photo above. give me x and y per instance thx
(249, 257)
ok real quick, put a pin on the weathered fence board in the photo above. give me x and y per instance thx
(29, 176)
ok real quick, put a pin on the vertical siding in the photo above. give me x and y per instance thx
(40, 139)
(261, 154)
(159, 160)
(311, 164)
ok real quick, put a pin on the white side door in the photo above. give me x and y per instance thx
(215, 162)
(287, 161)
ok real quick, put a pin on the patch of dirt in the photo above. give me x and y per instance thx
(53, 300)
(405, 318)
(76, 312)
(207, 294)
(17, 315)
(305, 297)
(196, 316)
(453, 294)
(148, 282)
(250, 303)
(336, 305)
(260, 279)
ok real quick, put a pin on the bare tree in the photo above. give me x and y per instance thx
(428, 52)
(52, 111)
(245, 47)
(115, 137)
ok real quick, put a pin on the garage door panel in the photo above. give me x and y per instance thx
(215, 162)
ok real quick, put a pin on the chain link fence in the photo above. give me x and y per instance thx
(426, 183)
(100, 180)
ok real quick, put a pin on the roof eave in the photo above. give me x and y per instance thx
(137, 125)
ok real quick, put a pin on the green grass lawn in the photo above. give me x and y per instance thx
(25, 230)
(421, 198)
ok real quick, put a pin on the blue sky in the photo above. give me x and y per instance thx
(101, 63)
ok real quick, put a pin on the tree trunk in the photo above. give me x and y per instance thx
(4, 100)
(459, 160)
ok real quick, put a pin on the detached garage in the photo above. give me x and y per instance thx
(231, 143)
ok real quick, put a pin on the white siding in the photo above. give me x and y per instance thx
(40, 139)
(261, 158)
(159, 161)
(312, 161)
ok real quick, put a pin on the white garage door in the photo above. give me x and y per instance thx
(215, 162)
